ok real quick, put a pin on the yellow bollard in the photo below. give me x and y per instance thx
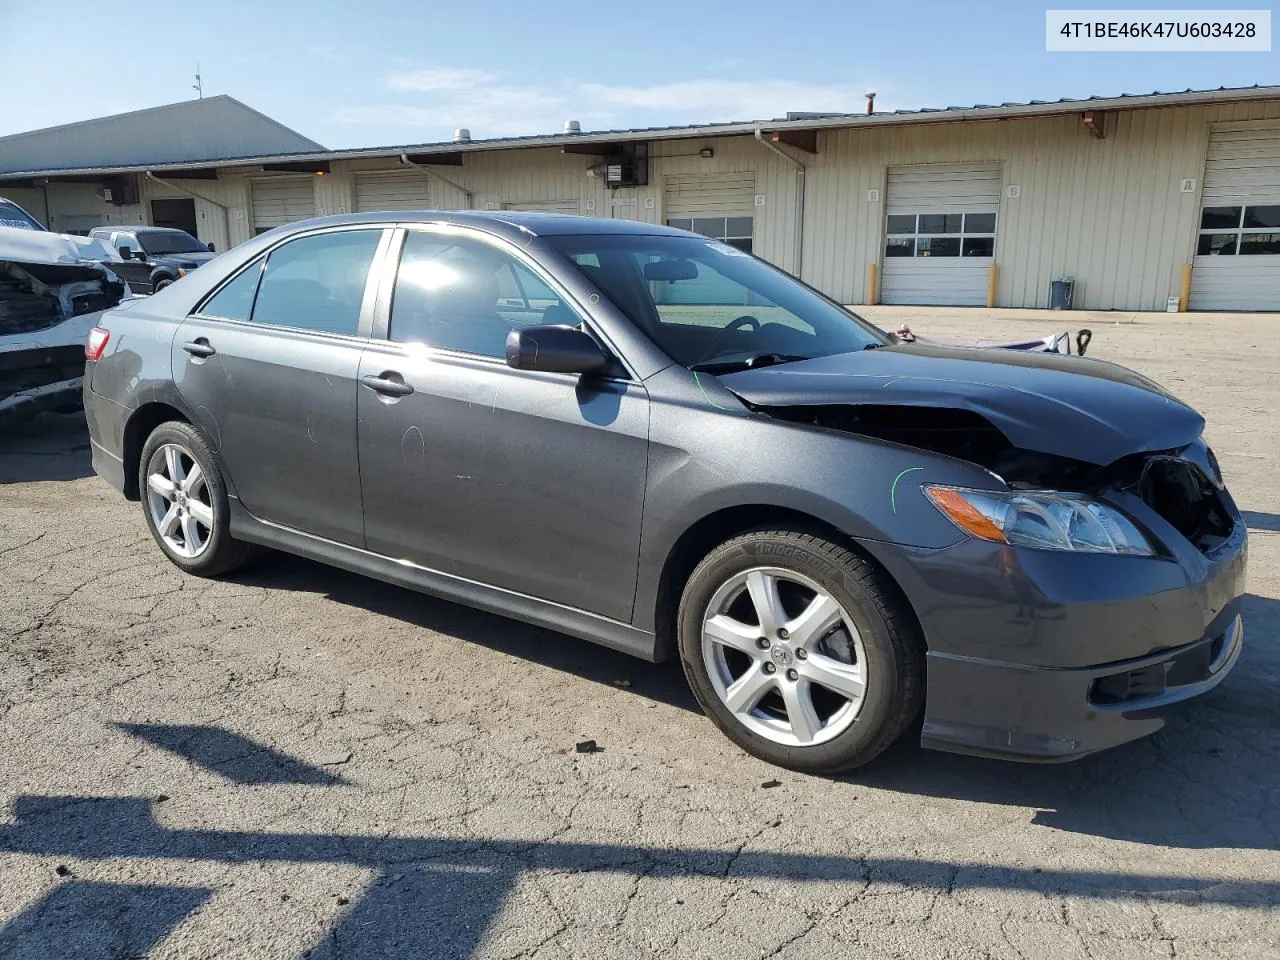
(1184, 294)
(872, 290)
(991, 285)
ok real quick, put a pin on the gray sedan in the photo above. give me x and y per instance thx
(657, 442)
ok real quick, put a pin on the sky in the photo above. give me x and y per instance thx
(389, 72)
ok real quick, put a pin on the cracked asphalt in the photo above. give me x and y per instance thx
(297, 762)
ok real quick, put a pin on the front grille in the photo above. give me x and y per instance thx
(1180, 492)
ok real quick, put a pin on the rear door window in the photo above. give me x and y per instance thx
(235, 300)
(317, 282)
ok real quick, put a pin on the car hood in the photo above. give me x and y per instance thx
(40, 246)
(1067, 406)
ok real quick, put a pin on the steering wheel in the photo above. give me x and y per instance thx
(733, 326)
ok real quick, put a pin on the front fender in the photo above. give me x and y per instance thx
(704, 460)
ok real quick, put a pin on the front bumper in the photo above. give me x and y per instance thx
(1043, 656)
(1042, 714)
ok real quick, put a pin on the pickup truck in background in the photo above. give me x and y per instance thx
(151, 258)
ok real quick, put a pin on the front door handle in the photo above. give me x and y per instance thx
(199, 348)
(387, 386)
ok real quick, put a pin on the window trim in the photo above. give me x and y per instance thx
(364, 322)
(964, 234)
(386, 293)
(721, 239)
(1238, 231)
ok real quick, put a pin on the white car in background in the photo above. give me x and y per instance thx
(52, 287)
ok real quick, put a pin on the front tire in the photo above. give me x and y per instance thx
(800, 651)
(184, 500)
(161, 284)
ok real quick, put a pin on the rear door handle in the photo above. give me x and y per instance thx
(385, 385)
(199, 348)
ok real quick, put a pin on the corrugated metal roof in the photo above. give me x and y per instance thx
(806, 121)
(219, 127)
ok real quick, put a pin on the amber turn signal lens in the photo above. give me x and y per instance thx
(964, 514)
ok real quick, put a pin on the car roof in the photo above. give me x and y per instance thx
(141, 228)
(503, 222)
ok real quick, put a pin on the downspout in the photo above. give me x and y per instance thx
(800, 173)
(429, 173)
(226, 214)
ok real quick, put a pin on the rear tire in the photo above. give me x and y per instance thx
(841, 675)
(184, 500)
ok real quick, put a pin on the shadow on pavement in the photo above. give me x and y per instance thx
(1205, 781)
(230, 755)
(1261, 521)
(446, 892)
(84, 920)
(662, 682)
(52, 446)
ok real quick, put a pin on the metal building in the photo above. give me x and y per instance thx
(1136, 199)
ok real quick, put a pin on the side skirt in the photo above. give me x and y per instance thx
(403, 573)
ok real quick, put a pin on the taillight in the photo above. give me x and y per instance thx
(95, 343)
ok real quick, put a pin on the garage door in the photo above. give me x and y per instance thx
(940, 235)
(715, 205)
(543, 206)
(391, 190)
(281, 200)
(1237, 264)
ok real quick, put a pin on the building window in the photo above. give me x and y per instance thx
(1243, 231)
(735, 231)
(940, 235)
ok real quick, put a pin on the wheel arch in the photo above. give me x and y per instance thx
(136, 430)
(713, 529)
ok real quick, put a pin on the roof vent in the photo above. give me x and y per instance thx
(572, 126)
(462, 135)
(871, 102)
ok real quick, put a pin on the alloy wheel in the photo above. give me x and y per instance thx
(179, 499)
(784, 656)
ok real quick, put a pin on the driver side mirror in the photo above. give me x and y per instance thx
(126, 252)
(554, 349)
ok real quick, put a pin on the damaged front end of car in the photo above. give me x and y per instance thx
(51, 289)
(1100, 575)
(1182, 485)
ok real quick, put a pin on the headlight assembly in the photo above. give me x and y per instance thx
(1046, 521)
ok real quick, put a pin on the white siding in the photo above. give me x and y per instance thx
(281, 200)
(1242, 167)
(543, 206)
(391, 190)
(1109, 212)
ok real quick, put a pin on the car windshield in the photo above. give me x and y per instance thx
(12, 215)
(162, 243)
(710, 306)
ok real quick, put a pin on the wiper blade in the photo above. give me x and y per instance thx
(753, 362)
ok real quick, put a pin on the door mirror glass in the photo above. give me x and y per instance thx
(554, 349)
